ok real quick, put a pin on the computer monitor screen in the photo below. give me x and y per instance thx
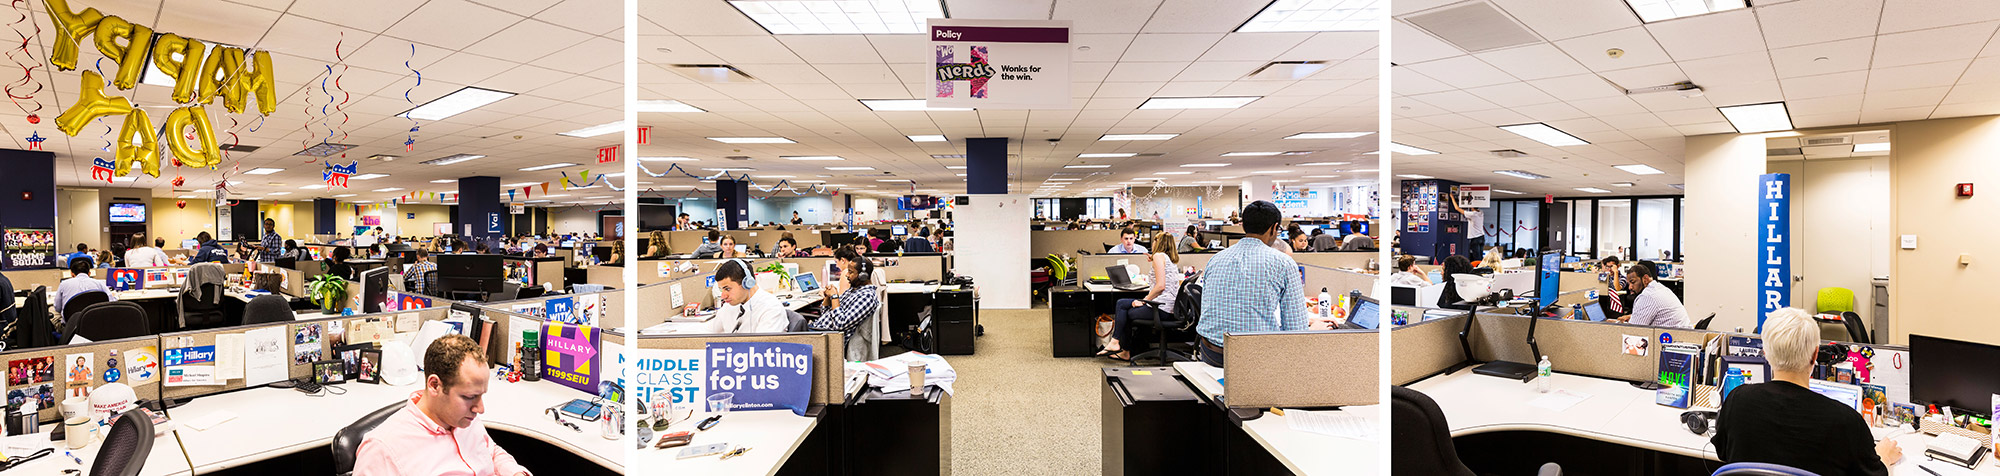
(807, 283)
(190, 244)
(1366, 313)
(569, 243)
(1954, 373)
(1849, 395)
(1214, 243)
(899, 230)
(1550, 283)
(487, 266)
(742, 248)
(374, 289)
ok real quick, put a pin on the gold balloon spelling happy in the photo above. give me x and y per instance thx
(235, 74)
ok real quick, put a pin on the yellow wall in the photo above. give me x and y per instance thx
(176, 224)
(427, 215)
(1928, 288)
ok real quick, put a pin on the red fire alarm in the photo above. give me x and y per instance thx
(1965, 190)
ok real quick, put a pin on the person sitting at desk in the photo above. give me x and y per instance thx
(208, 251)
(80, 282)
(1616, 286)
(874, 240)
(418, 282)
(337, 263)
(1323, 241)
(728, 246)
(746, 308)
(1188, 242)
(1407, 273)
(1494, 260)
(852, 303)
(142, 256)
(681, 223)
(789, 248)
(1356, 242)
(1454, 265)
(1782, 421)
(439, 432)
(617, 253)
(1128, 242)
(1655, 305)
(82, 250)
(293, 251)
(918, 244)
(1301, 242)
(710, 247)
(1245, 283)
(796, 220)
(1166, 287)
(539, 251)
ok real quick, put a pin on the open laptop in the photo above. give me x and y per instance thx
(807, 283)
(1363, 313)
(1122, 281)
(1593, 312)
(1848, 395)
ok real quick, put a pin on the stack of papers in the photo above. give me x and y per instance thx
(1358, 422)
(891, 374)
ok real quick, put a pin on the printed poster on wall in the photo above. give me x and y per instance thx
(1774, 230)
(1475, 196)
(999, 64)
(28, 248)
(762, 375)
(570, 355)
(563, 310)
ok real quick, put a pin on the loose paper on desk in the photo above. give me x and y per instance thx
(1357, 422)
(264, 356)
(1558, 400)
(408, 322)
(675, 290)
(228, 357)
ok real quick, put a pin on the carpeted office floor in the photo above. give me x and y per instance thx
(1020, 411)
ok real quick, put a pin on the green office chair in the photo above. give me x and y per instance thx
(1060, 270)
(1834, 300)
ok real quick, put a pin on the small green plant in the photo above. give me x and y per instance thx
(784, 277)
(328, 291)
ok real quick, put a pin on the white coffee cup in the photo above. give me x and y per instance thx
(77, 431)
(75, 406)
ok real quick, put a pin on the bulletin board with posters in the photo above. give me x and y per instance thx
(28, 248)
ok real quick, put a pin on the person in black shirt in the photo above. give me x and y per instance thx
(1783, 422)
(337, 264)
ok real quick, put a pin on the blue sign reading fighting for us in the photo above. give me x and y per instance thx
(761, 375)
(1774, 230)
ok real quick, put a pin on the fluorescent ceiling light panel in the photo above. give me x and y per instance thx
(1752, 118)
(667, 159)
(805, 17)
(313, 186)
(1521, 174)
(1639, 169)
(954, 167)
(752, 140)
(1267, 172)
(1204, 165)
(1875, 147)
(1106, 155)
(851, 168)
(1415, 176)
(390, 189)
(1509, 192)
(445, 181)
(1086, 166)
(812, 157)
(1138, 136)
(1592, 190)
(664, 105)
(269, 171)
(890, 105)
(597, 130)
(1251, 154)
(464, 99)
(1227, 102)
(1621, 184)
(1172, 173)
(1327, 135)
(1408, 150)
(1662, 10)
(1316, 15)
(367, 176)
(452, 159)
(928, 138)
(1544, 134)
(549, 166)
(279, 193)
(520, 184)
(344, 195)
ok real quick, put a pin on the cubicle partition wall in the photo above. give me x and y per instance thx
(59, 360)
(612, 302)
(1337, 281)
(687, 241)
(656, 299)
(26, 280)
(611, 276)
(1424, 348)
(829, 356)
(1302, 369)
(1066, 242)
(659, 270)
(295, 369)
(1578, 281)
(1576, 347)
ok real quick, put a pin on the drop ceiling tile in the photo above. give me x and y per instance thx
(1254, 46)
(1790, 24)
(1733, 69)
(1897, 114)
(1839, 56)
(451, 24)
(1571, 88)
(1512, 94)
(741, 50)
(1637, 43)
(1139, 72)
(1943, 73)
(1561, 20)
(1169, 47)
(1332, 46)
(1414, 45)
(1608, 106)
(1550, 112)
(1926, 97)
(1690, 116)
(1836, 84)
(1930, 46)
(1462, 72)
(1707, 36)
(1646, 76)
(1536, 61)
(1908, 15)
(1744, 93)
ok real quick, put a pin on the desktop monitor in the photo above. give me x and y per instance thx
(1402, 295)
(1953, 373)
(899, 230)
(807, 283)
(1549, 284)
(1849, 395)
(374, 288)
(569, 243)
(474, 273)
(603, 253)
(1364, 312)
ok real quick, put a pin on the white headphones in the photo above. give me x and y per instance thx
(749, 277)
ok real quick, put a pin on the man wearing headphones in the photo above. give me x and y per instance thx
(746, 309)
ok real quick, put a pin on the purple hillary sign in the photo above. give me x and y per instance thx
(570, 355)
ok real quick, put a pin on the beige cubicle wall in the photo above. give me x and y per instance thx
(295, 369)
(687, 241)
(1424, 348)
(610, 276)
(656, 301)
(63, 356)
(1043, 243)
(658, 270)
(28, 279)
(1337, 281)
(613, 302)
(1302, 369)
(829, 356)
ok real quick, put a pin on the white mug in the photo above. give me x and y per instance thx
(77, 431)
(75, 406)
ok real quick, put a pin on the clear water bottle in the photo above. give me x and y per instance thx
(1542, 372)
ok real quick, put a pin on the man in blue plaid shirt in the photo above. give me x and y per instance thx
(272, 244)
(1250, 286)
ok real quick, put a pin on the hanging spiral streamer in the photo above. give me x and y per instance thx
(410, 143)
(27, 65)
(106, 135)
(344, 95)
(323, 116)
(306, 141)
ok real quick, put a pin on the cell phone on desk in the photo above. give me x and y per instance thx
(583, 409)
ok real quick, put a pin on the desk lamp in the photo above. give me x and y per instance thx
(1477, 292)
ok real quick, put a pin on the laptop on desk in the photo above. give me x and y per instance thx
(1122, 281)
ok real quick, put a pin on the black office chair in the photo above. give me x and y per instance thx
(268, 308)
(508, 291)
(428, 279)
(126, 446)
(1187, 312)
(204, 312)
(347, 443)
(287, 262)
(106, 321)
(1422, 438)
(1703, 324)
(81, 301)
(794, 322)
(529, 292)
(1856, 330)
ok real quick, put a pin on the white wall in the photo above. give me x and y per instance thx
(997, 226)
(1840, 226)
(573, 220)
(1721, 244)
(81, 220)
(814, 209)
(867, 209)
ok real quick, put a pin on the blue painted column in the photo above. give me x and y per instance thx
(732, 199)
(479, 207)
(986, 165)
(323, 211)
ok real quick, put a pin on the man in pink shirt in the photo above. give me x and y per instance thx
(438, 433)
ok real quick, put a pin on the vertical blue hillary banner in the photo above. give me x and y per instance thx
(761, 375)
(1774, 230)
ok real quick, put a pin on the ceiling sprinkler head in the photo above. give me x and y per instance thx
(1614, 53)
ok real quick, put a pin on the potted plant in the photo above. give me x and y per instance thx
(784, 277)
(328, 291)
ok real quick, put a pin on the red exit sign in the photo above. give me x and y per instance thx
(645, 133)
(607, 154)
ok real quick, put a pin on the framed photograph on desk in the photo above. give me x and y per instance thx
(350, 359)
(371, 366)
(329, 372)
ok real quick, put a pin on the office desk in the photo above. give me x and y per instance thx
(712, 326)
(771, 435)
(1615, 413)
(1300, 452)
(269, 424)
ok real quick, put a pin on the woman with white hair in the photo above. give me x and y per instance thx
(1783, 422)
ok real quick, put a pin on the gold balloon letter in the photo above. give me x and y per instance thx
(177, 123)
(90, 104)
(255, 80)
(186, 70)
(147, 153)
(224, 61)
(73, 27)
(131, 58)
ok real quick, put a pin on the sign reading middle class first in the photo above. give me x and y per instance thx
(999, 64)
